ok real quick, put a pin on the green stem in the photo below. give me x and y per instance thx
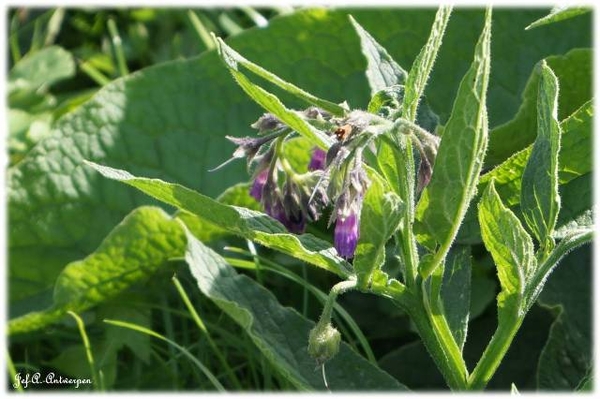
(437, 338)
(456, 367)
(14, 39)
(118, 47)
(16, 384)
(433, 330)
(336, 290)
(493, 354)
(201, 31)
(98, 380)
(202, 327)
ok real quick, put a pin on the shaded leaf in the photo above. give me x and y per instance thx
(567, 355)
(72, 362)
(140, 244)
(412, 364)
(281, 334)
(576, 211)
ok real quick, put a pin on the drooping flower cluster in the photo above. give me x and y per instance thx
(335, 177)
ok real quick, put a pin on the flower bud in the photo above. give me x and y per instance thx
(424, 174)
(316, 113)
(248, 146)
(346, 235)
(266, 123)
(259, 183)
(317, 160)
(323, 343)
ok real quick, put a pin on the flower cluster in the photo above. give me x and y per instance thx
(335, 177)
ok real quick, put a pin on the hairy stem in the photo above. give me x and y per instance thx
(336, 290)
(493, 354)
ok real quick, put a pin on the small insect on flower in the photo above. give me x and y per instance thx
(343, 132)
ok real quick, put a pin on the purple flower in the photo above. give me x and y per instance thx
(259, 184)
(293, 223)
(346, 235)
(317, 160)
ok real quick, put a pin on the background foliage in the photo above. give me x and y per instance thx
(155, 103)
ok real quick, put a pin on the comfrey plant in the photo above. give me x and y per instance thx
(394, 183)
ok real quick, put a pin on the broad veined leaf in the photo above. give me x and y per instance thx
(445, 200)
(280, 333)
(168, 121)
(574, 72)
(382, 71)
(139, 245)
(567, 356)
(380, 217)
(244, 222)
(421, 68)
(512, 250)
(559, 14)
(540, 201)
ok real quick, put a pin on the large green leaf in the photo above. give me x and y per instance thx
(280, 333)
(137, 247)
(445, 200)
(567, 357)
(540, 201)
(168, 121)
(244, 222)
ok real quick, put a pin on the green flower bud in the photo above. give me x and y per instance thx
(323, 343)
